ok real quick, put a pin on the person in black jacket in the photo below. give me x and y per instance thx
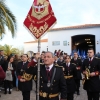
(2, 59)
(58, 85)
(91, 71)
(70, 74)
(60, 61)
(78, 63)
(23, 85)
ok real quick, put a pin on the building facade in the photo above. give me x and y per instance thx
(61, 38)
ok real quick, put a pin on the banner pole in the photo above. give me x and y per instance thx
(38, 72)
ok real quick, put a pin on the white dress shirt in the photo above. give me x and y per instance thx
(50, 67)
(68, 64)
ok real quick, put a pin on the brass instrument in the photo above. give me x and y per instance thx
(27, 76)
(86, 76)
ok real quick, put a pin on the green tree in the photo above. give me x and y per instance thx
(7, 19)
(8, 49)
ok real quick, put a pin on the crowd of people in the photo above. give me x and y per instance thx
(60, 74)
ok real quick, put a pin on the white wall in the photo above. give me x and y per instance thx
(34, 47)
(65, 35)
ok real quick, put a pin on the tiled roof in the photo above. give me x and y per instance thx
(76, 27)
(43, 40)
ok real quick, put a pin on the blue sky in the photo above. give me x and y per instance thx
(67, 12)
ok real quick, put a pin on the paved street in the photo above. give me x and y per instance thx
(16, 95)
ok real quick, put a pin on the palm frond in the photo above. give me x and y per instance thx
(7, 19)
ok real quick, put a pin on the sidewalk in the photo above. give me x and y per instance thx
(16, 95)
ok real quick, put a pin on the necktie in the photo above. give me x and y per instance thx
(23, 63)
(47, 68)
(90, 59)
(48, 73)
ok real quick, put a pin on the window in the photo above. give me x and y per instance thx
(55, 43)
(64, 43)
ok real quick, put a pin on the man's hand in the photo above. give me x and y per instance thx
(22, 80)
(85, 72)
(92, 74)
(8, 68)
(63, 69)
(78, 68)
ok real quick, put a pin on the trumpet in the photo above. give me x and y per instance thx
(87, 75)
(26, 76)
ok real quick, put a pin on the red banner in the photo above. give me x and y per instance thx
(40, 18)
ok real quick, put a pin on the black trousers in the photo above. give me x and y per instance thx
(7, 84)
(26, 95)
(93, 95)
(70, 96)
(77, 81)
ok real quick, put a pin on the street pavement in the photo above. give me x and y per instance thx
(16, 95)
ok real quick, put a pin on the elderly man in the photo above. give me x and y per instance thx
(52, 80)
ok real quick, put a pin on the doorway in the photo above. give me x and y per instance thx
(82, 43)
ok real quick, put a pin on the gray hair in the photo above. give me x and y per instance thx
(51, 54)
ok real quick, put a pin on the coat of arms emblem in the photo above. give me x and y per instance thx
(40, 9)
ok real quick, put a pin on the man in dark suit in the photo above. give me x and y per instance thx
(91, 70)
(23, 85)
(2, 59)
(78, 63)
(50, 90)
(60, 62)
(70, 74)
(42, 57)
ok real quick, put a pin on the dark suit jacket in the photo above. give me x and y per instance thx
(70, 82)
(58, 85)
(1, 60)
(60, 63)
(93, 84)
(23, 86)
(78, 63)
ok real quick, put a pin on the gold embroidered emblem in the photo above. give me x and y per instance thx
(44, 94)
(40, 10)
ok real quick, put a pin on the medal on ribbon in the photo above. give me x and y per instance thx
(89, 66)
(48, 84)
(68, 73)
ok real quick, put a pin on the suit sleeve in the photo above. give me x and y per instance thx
(80, 64)
(63, 86)
(97, 73)
(83, 66)
(33, 64)
(18, 71)
(5, 66)
(75, 71)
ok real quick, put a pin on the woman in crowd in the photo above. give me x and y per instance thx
(8, 78)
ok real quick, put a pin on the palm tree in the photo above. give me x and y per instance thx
(8, 50)
(7, 19)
